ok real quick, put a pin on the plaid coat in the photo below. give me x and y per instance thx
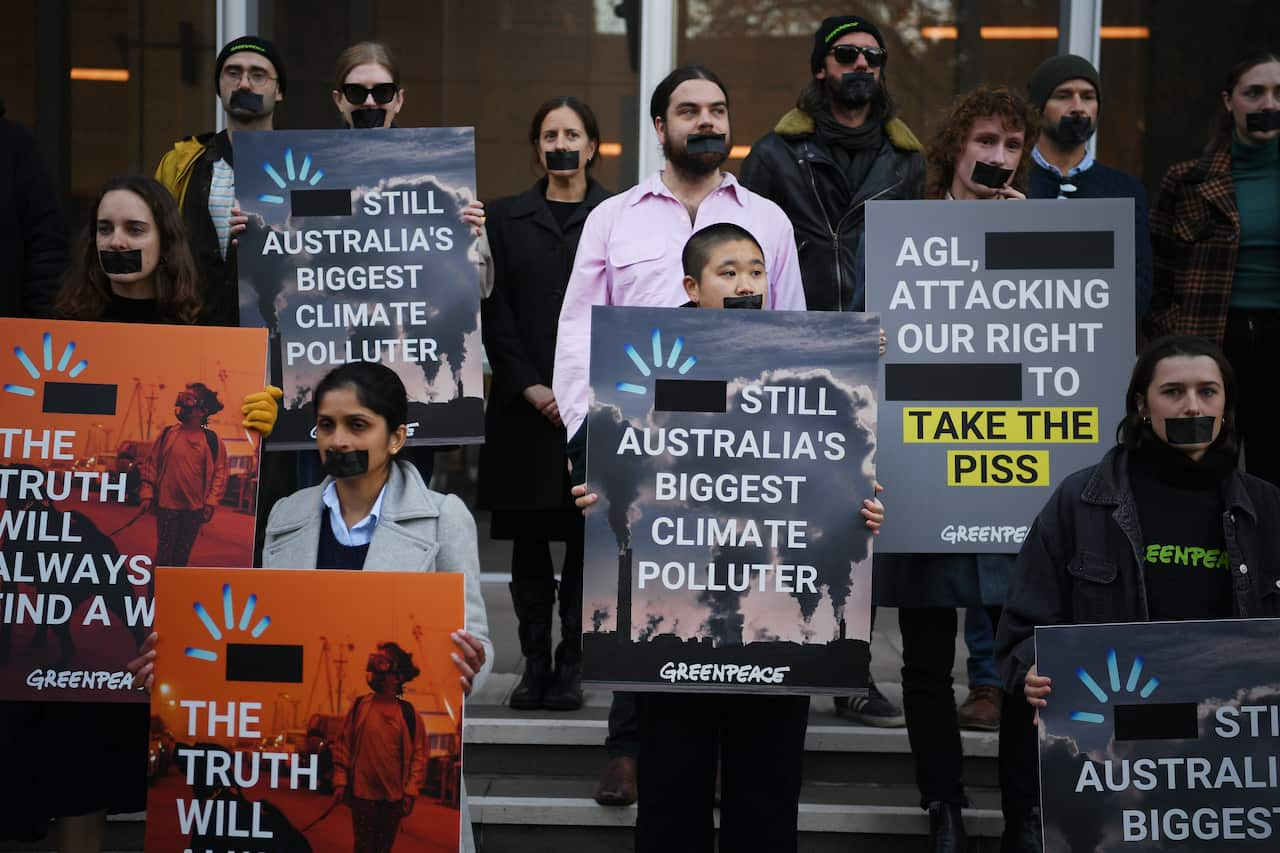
(1195, 236)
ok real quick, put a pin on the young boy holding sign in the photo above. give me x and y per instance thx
(757, 741)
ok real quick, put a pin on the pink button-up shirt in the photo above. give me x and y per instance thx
(629, 254)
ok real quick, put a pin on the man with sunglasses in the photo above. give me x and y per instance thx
(841, 147)
(249, 78)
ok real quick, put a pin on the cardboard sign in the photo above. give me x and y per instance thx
(264, 711)
(355, 251)
(732, 451)
(1010, 337)
(1161, 736)
(100, 483)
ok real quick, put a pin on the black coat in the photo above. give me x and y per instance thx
(522, 464)
(33, 238)
(793, 168)
(1081, 562)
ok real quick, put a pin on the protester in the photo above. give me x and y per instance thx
(841, 147)
(249, 78)
(523, 478)
(980, 152)
(1092, 554)
(756, 742)
(1216, 232)
(1068, 91)
(33, 237)
(629, 253)
(381, 782)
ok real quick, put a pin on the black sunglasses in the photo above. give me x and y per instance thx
(383, 93)
(847, 54)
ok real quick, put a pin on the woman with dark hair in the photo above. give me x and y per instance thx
(1171, 479)
(523, 478)
(982, 151)
(1215, 232)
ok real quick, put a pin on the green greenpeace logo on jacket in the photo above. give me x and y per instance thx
(1182, 555)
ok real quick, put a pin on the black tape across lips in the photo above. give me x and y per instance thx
(1262, 122)
(244, 100)
(1198, 430)
(751, 300)
(127, 262)
(706, 143)
(345, 463)
(991, 176)
(367, 117)
(562, 161)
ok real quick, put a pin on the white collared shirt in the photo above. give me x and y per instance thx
(362, 532)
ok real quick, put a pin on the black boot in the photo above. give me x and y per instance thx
(565, 692)
(946, 829)
(534, 629)
(1022, 832)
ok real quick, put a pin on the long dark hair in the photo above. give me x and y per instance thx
(377, 387)
(1224, 124)
(585, 114)
(947, 144)
(86, 290)
(1130, 432)
(813, 98)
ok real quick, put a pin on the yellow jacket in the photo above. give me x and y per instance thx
(177, 165)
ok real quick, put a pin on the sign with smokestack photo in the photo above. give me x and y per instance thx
(731, 452)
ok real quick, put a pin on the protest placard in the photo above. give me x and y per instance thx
(1161, 736)
(732, 451)
(276, 724)
(1010, 335)
(355, 251)
(114, 459)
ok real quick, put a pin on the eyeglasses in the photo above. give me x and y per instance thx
(847, 54)
(383, 93)
(257, 76)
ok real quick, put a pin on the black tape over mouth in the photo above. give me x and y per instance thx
(987, 175)
(126, 262)
(706, 143)
(345, 463)
(750, 300)
(1197, 430)
(243, 100)
(1262, 122)
(562, 161)
(368, 117)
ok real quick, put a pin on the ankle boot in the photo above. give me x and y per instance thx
(534, 631)
(946, 829)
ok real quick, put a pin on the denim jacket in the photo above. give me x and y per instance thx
(1082, 560)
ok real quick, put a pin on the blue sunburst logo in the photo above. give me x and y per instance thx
(34, 372)
(300, 174)
(1113, 672)
(229, 622)
(658, 362)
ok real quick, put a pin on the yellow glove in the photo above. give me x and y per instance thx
(261, 410)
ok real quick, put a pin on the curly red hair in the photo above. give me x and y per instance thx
(948, 143)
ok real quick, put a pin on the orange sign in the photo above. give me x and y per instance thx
(295, 710)
(120, 449)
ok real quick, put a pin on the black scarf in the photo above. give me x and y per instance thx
(1170, 465)
(853, 148)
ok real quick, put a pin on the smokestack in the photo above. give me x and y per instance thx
(624, 596)
(842, 628)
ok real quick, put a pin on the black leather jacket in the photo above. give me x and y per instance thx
(1082, 560)
(793, 168)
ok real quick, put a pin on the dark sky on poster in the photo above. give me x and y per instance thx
(1214, 681)
(395, 281)
(1010, 334)
(829, 354)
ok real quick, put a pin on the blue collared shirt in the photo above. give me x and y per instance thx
(1083, 166)
(362, 532)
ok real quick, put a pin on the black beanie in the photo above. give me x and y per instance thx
(1055, 71)
(832, 29)
(253, 44)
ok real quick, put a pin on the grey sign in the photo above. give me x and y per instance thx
(732, 451)
(1010, 337)
(355, 251)
(1161, 736)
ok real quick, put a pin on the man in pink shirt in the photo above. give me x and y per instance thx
(629, 253)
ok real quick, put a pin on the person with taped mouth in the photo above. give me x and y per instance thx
(249, 78)
(1165, 527)
(1214, 233)
(981, 152)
